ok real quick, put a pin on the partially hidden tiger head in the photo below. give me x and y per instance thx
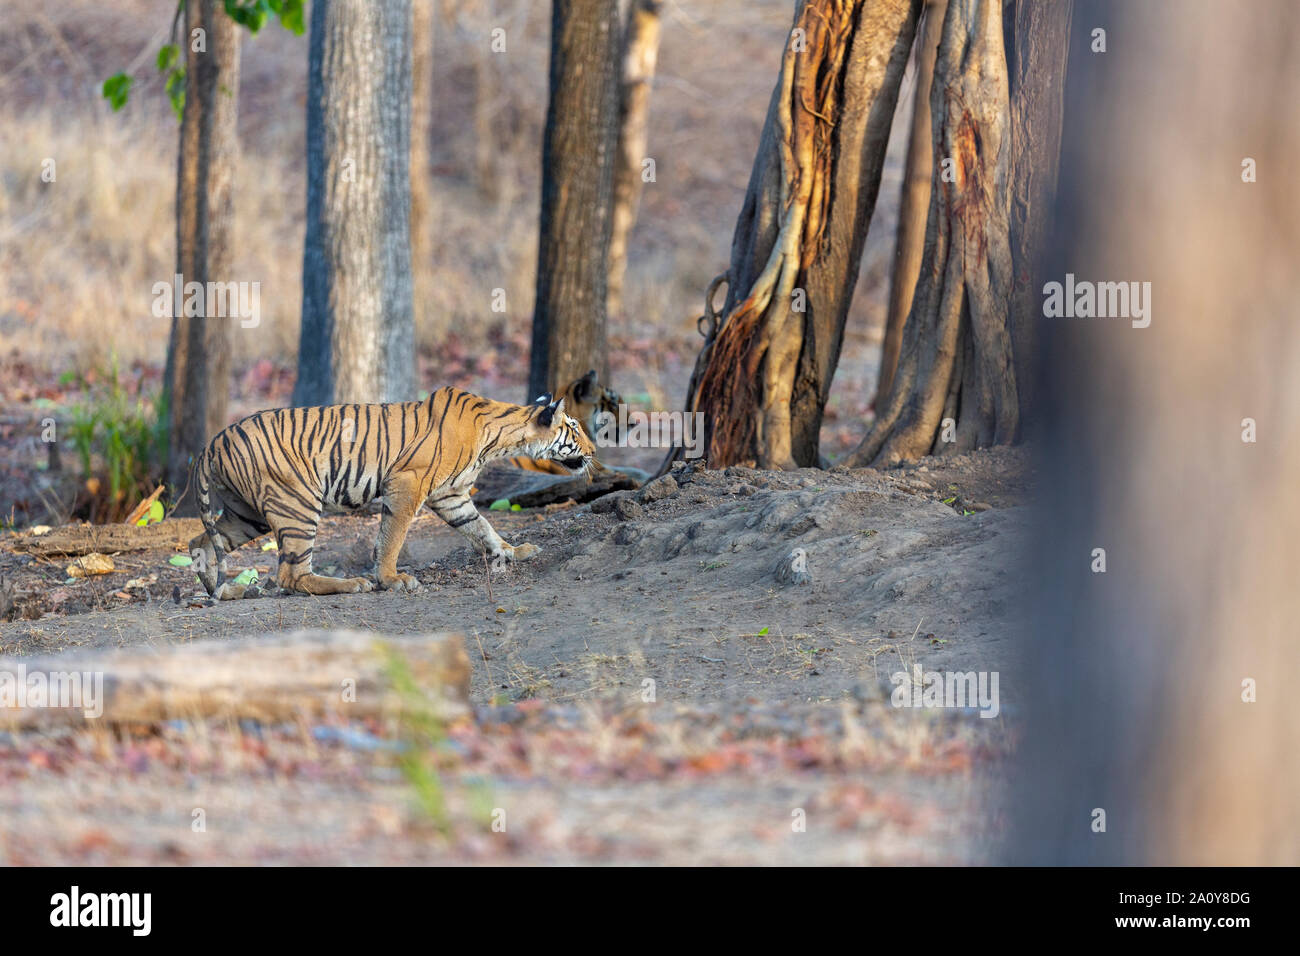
(587, 400)
(559, 438)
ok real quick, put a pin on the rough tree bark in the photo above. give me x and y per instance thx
(1037, 37)
(1159, 690)
(577, 179)
(197, 377)
(915, 203)
(955, 363)
(358, 336)
(640, 53)
(798, 240)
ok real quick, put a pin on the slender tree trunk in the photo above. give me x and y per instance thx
(1160, 689)
(422, 98)
(915, 203)
(955, 385)
(358, 335)
(197, 378)
(577, 181)
(640, 53)
(799, 237)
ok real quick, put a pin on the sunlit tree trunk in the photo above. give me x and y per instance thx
(358, 337)
(799, 237)
(640, 53)
(955, 383)
(915, 203)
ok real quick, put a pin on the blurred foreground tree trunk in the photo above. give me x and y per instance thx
(196, 383)
(915, 203)
(799, 237)
(640, 53)
(358, 334)
(577, 209)
(1162, 646)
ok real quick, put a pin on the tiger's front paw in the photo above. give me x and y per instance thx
(399, 582)
(357, 586)
(522, 552)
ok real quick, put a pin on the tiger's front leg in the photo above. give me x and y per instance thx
(458, 510)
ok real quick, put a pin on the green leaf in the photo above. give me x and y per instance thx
(762, 632)
(516, 507)
(176, 92)
(116, 89)
(501, 504)
(167, 57)
(291, 16)
(180, 560)
(247, 576)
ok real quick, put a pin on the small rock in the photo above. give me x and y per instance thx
(628, 509)
(605, 503)
(658, 489)
(981, 506)
(793, 568)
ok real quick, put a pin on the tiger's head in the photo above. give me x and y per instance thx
(587, 400)
(559, 438)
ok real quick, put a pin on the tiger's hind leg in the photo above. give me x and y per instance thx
(295, 533)
(232, 527)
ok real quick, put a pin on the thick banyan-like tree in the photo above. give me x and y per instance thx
(764, 377)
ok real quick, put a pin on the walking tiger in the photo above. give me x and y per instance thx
(280, 470)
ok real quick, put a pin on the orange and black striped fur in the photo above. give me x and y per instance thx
(586, 400)
(280, 470)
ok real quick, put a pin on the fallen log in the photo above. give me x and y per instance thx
(305, 674)
(74, 540)
(534, 489)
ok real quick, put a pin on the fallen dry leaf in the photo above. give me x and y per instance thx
(88, 564)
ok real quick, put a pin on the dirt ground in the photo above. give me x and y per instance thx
(647, 690)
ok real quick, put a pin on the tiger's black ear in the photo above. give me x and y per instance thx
(550, 413)
(584, 389)
(542, 399)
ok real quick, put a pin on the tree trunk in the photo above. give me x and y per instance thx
(1038, 43)
(358, 335)
(422, 97)
(915, 204)
(955, 364)
(196, 382)
(640, 52)
(798, 240)
(577, 180)
(1159, 690)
